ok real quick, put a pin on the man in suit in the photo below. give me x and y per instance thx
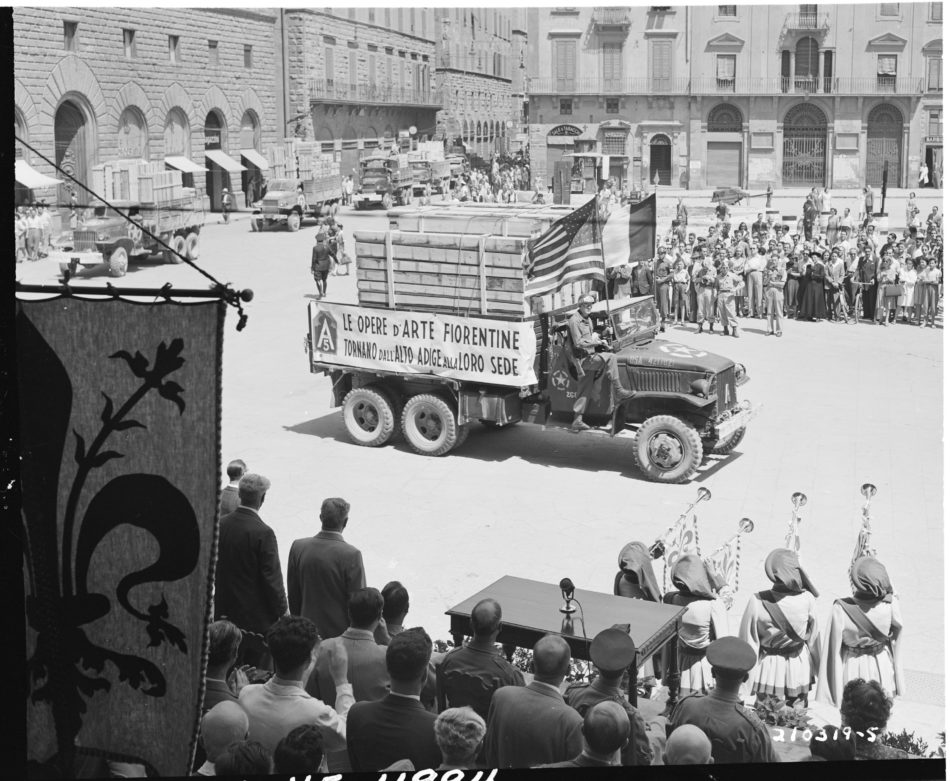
(606, 731)
(642, 281)
(395, 607)
(479, 657)
(248, 584)
(532, 725)
(323, 571)
(230, 500)
(397, 726)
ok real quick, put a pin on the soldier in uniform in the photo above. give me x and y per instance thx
(612, 651)
(590, 364)
(736, 733)
(726, 283)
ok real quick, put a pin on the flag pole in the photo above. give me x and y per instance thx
(603, 256)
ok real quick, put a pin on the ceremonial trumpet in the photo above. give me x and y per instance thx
(745, 526)
(863, 545)
(792, 541)
(658, 548)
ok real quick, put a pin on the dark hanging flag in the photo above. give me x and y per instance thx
(569, 251)
(120, 414)
(630, 234)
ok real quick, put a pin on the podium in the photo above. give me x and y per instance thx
(530, 611)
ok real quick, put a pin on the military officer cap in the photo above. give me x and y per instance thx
(587, 298)
(612, 650)
(731, 653)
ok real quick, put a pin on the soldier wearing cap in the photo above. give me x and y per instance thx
(590, 364)
(612, 651)
(737, 734)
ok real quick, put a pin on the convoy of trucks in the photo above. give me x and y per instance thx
(383, 179)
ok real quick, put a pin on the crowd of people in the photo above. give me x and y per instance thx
(33, 228)
(325, 675)
(836, 269)
(498, 183)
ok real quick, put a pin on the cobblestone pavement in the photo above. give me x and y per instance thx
(843, 405)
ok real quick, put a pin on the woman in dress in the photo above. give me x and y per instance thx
(863, 635)
(795, 267)
(705, 620)
(636, 580)
(886, 286)
(912, 210)
(813, 301)
(781, 625)
(908, 280)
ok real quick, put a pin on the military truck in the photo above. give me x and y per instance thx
(433, 376)
(288, 202)
(436, 174)
(107, 242)
(383, 179)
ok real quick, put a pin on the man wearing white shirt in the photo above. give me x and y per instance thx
(753, 283)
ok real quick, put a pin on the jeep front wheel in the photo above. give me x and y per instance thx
(428, 424)
(667, 449)
(293, 222)
(369, 416)
(726, 447)
(118, 262)
(387, 201)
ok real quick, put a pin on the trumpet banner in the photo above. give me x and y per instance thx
(119, 412)
(725, 563)
(683, 539)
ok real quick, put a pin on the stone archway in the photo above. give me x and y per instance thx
(661, 159)
(884, 134)
(215, 137)
(177, 133)
(250, 137)
(132, 134)
(804, 149)
(75, 142)
(724, 147)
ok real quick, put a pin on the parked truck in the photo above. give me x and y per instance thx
(289, 202)
(386, 180)
(447, 336)
(107, 242)
(436, 174)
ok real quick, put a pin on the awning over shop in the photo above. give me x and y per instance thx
(255, 158)
(30, 178)
(219, 158)
(184, 165)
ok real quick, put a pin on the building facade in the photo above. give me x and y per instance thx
(712, 96)
(99, 84)
(357, 78)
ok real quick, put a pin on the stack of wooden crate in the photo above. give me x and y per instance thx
(445, 272)
(277, 158)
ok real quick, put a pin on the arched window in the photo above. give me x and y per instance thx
(177, 134)
(724, 119)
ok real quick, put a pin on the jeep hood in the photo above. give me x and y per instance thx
(663, 354)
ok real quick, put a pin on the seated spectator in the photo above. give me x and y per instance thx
(832, 745)
(606, 731)
(479, 659)
(222, 725)
(230, 500)
(687, 745)
(397, 726)
(300, 752)
(532, 725)
(225, 639)
(247, 758)
(278, 706)
(865, 709)
(459, 733)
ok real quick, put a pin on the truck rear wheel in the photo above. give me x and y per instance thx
(369, 416)
(118, 262)
(726, 447)
(293, 222)
(387, 201)
(191, 246)
(177, 243)
(428, 424)
(667, 450)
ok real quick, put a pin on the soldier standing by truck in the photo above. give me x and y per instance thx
(320, 261)
(590, 364)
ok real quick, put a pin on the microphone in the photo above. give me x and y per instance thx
(567, 592)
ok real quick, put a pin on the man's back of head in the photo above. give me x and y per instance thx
(552, 659)
(224, 640)
(224, 724)
(301, 751)
(251, 490)
(334, 513)
(395, 602)
(407, 657)
(236, 469)
(365, 608)
(291, 641)
(606, 728)
(486, 619)
(687, 745)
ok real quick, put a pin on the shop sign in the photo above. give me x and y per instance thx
(565, 130)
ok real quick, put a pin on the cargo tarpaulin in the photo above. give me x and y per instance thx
(119, 433)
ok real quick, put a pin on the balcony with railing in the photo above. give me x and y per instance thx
(331, 91)
(617, 19)
(807, 21)
(784, 85)
(595, 85)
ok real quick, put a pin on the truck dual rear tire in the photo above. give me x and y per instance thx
(667, 450)
(429, 427)
(191, 246)
(177, 243)
(369, 416)
(387, 201)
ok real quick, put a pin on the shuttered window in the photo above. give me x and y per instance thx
(328, 65)
(565, 63)
(613, 66)
(935, 74)
(662, 65)
(726, 70)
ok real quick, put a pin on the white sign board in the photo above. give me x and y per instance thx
(470, 349)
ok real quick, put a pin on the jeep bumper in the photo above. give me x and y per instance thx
(738, 419)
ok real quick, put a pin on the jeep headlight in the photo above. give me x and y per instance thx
(700, 387)
(740, 372)
(102, 237)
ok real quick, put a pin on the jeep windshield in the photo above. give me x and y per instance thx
(632, 320)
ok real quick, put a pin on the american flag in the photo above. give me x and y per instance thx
(568, 252)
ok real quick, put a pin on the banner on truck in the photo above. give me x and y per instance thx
(469, 349)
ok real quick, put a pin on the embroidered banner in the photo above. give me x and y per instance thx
(473, 349)
(119, 431)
